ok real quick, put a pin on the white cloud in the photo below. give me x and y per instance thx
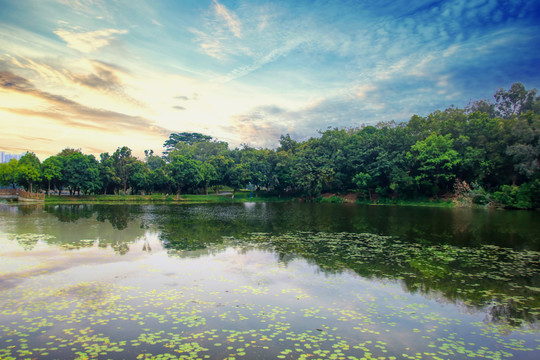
(88, 41)
(229, 18)
(362, 91)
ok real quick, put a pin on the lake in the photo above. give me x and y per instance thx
(268, 281)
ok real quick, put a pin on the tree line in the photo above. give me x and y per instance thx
(486, 152)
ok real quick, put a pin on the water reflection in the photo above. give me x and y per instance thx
(479, 259)
(191, 226)
(77, 226)
(503, 281)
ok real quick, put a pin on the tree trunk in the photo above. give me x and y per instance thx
(48, 187)
(233, 193)
(206, 189)
(30, 187)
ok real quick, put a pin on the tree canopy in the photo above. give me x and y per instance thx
(494, 147)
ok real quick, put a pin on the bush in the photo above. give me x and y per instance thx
(520, 197)
(333, 199)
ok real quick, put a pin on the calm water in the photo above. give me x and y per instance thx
(266, 281)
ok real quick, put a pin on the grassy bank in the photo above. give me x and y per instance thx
(352, 198)
(415, 202)
(240, 197)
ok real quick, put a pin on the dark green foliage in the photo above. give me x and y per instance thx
(52, 171)
(28, 171)
(434, 162)
(124, 165)
(183, 171)
(7, 173)
(525, 196)
(184, 138)
(492, 147)
(81, 173)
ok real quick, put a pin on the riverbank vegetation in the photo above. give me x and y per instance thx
(241, 196)
(485, 154)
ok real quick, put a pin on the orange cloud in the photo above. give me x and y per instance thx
(72, 113)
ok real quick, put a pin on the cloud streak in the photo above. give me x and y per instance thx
(229, 19)
(74, 114)
(102, 78)
(91, 41)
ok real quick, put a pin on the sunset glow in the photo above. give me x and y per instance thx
(97, 74)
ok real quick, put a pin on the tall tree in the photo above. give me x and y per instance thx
(107, 173)
(7, 173)
(28, 170)
(52, 170)
(310, 171)
(153, 161)
(184, 138)
(237, 177)
(515, 101)
(208, 175)
(123, 163)
(287, 144)
(140, 177)
(81, 173)
(525, 151)
(183, 171)
(223, 164)
(435, 159)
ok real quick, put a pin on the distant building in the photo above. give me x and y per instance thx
(5, 157)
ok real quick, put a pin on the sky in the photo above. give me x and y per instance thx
(102, 74)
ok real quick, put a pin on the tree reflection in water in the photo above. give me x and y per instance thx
(459, 262)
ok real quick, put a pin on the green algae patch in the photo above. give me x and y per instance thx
(297, 295)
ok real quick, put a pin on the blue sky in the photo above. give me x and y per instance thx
(98, 74)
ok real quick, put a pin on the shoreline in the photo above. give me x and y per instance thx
(240, 197)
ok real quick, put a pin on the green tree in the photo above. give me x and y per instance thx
(258, 166)
(515, 101)
(287, 144)
(140, 177)
(153, 161)
(208, 175)
(435, 159)
(68, 151)
(183, 171)
(28, 170)
(123, 163)
(7, 173)
(310, 171)
(81, 173)
(376, 155)
(333, 150)
(525, 151)
(159, 180)
(223, 164)
(184, 138)
(204, 150)
(484, 151)
(107, 173)
(237, 177)
(52, 171)
(282, 179)
(482, 106)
